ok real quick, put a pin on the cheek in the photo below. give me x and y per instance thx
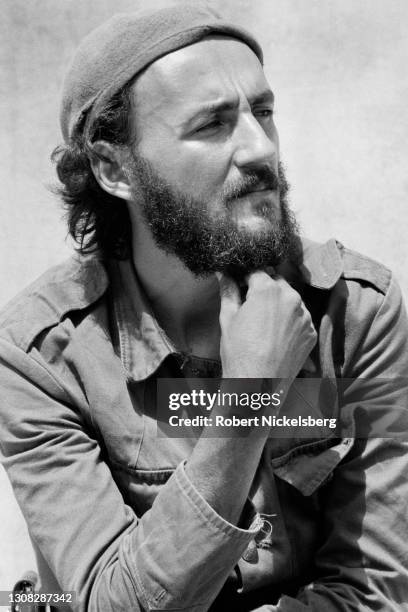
(197, 170)
(274, 135)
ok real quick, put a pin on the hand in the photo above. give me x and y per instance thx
(270, 335)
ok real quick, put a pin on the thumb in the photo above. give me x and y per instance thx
(230, 298)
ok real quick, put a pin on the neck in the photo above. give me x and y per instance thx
(186, 306)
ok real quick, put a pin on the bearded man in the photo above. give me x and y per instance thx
(190, 266)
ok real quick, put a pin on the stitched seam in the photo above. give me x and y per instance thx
(302, 449)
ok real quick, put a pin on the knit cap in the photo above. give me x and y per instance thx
(114, 53)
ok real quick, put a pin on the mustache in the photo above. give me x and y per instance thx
(261, 178)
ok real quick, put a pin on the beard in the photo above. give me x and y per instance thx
(205, 243)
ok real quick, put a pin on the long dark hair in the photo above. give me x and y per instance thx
(96, 220)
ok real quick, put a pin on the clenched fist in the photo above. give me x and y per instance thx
(269, 335)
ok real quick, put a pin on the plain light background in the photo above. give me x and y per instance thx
(339, 72)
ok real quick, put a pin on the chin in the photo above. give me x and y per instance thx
(261, 218)
(256, 225)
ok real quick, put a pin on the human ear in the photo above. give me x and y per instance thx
(107, 165)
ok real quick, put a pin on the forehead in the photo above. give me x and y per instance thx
(212, 70)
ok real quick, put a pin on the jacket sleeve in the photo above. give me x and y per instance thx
(92, 541)
(362, 563)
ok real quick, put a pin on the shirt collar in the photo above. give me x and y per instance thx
(322, 264)
(142, 343)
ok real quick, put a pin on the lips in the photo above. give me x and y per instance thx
(258, 189)
(261, 188)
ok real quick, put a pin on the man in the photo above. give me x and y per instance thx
(171, 170)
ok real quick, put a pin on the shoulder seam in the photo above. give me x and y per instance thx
(48, 308)
(358, 267)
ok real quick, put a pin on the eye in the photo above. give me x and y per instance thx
(264, 113)
(211, 125)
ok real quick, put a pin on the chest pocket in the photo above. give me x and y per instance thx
(143, 466)
(305, 455)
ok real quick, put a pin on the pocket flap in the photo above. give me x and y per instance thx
(312, 464)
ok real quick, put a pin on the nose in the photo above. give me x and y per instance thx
(254, 145)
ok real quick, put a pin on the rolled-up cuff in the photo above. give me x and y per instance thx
(182, 550)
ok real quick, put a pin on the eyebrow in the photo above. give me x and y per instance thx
(209, 108)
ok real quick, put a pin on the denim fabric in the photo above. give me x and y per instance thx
(109, 507)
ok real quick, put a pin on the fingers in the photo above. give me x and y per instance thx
(230, 298)
(257, 279)
(260, 280)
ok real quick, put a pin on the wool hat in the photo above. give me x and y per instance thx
(114, 53)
